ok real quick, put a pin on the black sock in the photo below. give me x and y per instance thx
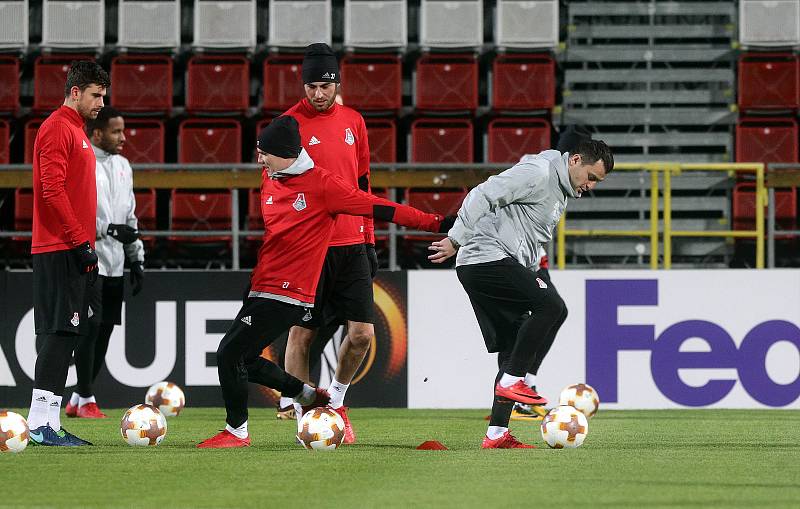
(101, 348)
(52, 361)
(84, 359)
(502, 407)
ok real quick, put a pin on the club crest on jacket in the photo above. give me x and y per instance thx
(348, 136)
(299, 202)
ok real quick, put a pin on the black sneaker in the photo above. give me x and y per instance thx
(75, 440)
(45, 435)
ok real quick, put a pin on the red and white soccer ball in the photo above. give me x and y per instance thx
(581, 396)
(564, 427)
(14, 432)
(167, 397)
(321, 429)
(143, 425)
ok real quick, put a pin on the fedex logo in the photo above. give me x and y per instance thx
(606, 337)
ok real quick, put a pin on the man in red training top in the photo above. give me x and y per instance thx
(299, 204)
(64, 261)
(335, 137)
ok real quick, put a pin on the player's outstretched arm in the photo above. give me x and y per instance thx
(343, 199)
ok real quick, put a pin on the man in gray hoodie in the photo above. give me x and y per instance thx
(498, 234)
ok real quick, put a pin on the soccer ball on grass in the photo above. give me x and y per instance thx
(14, 432)
(321, 429)
(581, 396)
(564, 427)
(167, 397)
(143, 425)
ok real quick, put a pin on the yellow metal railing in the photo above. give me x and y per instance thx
(669, 170)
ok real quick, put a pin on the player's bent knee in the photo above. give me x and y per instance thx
(360, 340)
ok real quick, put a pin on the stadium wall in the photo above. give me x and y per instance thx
(663, 339)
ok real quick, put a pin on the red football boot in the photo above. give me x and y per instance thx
(506, 441)
(321, 398)
(90, 411)
(349, 434)
(520, 392)
(71, 410)
(224, 440)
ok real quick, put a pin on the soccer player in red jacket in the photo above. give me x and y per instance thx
(299, 203)
(64, 261)
(335, 136)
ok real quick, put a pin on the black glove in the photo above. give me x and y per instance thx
(447, 223)
(123, 233)
(372, 256)
(137, 277)
(86, 257)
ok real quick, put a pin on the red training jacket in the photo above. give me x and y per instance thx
(336, 140)
(299, 206)
(64, 192)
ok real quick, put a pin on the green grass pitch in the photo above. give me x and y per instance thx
(688, 458)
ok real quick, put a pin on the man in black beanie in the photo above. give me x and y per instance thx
(335, 136)
(299, 204)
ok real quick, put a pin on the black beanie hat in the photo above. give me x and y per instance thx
(281, 138)
(320, 64)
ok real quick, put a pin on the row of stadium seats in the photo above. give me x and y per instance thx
(432, 139)
(146, 24)
(221, 83)
(221, 140)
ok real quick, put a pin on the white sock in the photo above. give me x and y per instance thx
(54, 412)
(73, 400)
(240, 432)
(495, 432)
(508, 380)
(83, 401)
(40, 404)
(306, 396)
(530, 380)
(285, 402)
(337, 391)
(298, 412)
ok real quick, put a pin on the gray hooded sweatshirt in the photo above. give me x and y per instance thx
(513, 214)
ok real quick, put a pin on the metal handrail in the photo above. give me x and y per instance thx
(669, 169)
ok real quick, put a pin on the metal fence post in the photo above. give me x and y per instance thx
(235, 228)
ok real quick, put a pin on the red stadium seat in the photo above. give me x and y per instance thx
(523, 82)
(205, 141)
(511, 138)
(283, 82)
(9, 84)
(23, 218)
(767, 140)
(31, 128)
(4, 147)
(144, 140)
(49, 76)
(447, 83)
(209, 141)
(146, 213)
(440, 201)
(768, 81)
(744, 207)
(142, 83)
(217, 84)
(200, 210)
(382, 135)
(373, 82)
(440, 140)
